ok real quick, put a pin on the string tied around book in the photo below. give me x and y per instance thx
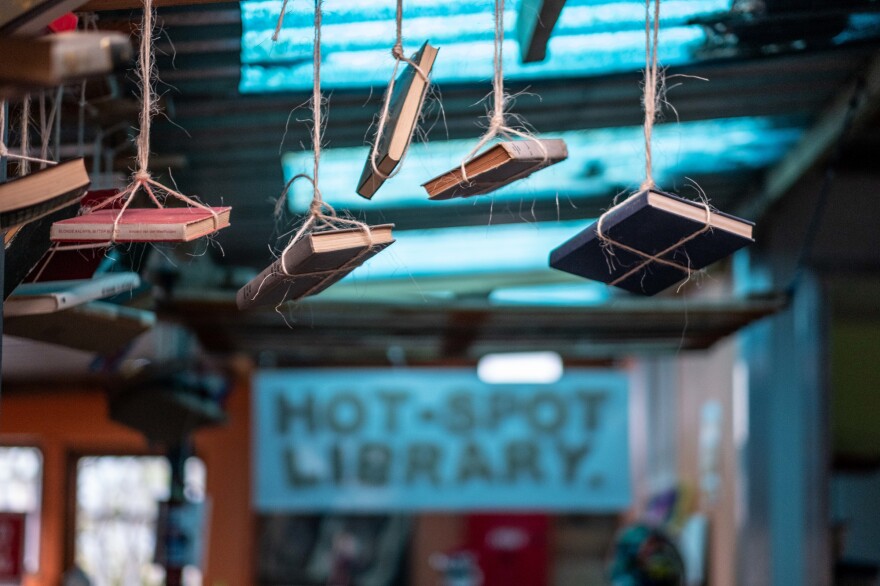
(608, 245)
(498, 125)
(141, 179)
(4, 151)
(321, 216)
(399, 56)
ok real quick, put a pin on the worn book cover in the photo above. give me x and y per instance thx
(496, 167)
(142, 225)
(25, 199)
(315, 262)
(404, 110)
(651, 222)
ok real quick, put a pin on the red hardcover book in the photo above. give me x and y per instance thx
(142, 225)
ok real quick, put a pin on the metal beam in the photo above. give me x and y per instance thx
(820, 138)
(534, 25)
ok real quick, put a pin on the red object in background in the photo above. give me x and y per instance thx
(65, 23)
(11, 548)
(513, 549)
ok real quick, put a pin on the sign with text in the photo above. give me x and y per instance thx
(439, 439)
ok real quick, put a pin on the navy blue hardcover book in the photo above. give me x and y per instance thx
(651, 222)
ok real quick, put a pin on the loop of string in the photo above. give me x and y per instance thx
(398, 54)
(497, 118)
(4, 151)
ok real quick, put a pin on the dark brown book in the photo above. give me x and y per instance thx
(404, 110)
(315, 262)
(33, 196)
(496, 167)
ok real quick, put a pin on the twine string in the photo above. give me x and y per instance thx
(497, 118)
(4, 151)
(321, 216)
(280, 22)
(650, 102)
(651, 96)
(398, 54)
(24, 166)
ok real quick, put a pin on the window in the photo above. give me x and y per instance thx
(117, 504)
(21, 486)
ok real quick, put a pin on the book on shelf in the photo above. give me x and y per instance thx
(404, 109)
(57, 59)
(497, 166)
(31, 17)
(25, 199)
(97, 326)
(26, 245)
(651, 222)
(142, 225)
(52, 296)
(315, 262)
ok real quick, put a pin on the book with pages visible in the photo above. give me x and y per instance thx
(315, 262)
(52, 296)
(497, 166)
(62, 58)
(31, 17)
(651, 222)
(25, 199)
(97, 326)
(142, 225)
(404, 109)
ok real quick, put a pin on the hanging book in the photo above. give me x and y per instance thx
(31, 17)
(650, 242)
(404, 109)
(496, 167)
(142, 225)
(313, 263)
(40, 193)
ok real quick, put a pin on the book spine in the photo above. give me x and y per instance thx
(27, 214)
(75, 232)
(262, 285)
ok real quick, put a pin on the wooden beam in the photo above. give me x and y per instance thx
(820, 138)
(101, 5)
(534, 25)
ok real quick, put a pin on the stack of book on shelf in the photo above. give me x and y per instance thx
(58, 59)
(652, 222)
(404, 109)
(497, 166)
(315, 262)
(181, 224)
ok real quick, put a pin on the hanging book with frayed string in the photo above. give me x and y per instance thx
(326, 247)
(652, 240)
(501, 164)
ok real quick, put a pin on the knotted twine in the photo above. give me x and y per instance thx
(398, 54)
(141, 179)
(497, 118)
(651, 99)
(322, 217)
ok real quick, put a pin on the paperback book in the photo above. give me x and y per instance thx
(652, 222)
(404, 109)
(25, 199)
(315, 262)
(142, 225)
(52, 296)
(499, 165)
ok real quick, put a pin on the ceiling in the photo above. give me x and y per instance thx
(771, 60)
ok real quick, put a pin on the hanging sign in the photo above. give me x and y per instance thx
(439, 439)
